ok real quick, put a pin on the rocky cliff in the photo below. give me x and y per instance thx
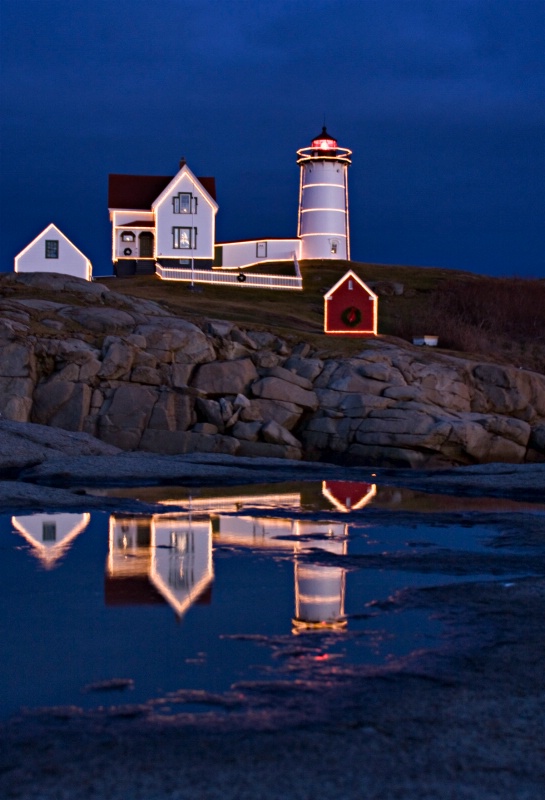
(133, 375)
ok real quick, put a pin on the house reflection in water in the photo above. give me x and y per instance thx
(50, 534)
(159, 559)
(168, 557)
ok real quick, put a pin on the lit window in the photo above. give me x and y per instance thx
(261, 249)
(127, 236)
(184, 238)
(184, 203)
(51, 248)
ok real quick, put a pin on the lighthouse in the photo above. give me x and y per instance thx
(323, 199)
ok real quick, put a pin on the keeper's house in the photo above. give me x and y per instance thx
(163, 219)
(52, 251)
(164, 224)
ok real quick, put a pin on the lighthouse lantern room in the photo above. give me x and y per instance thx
(323, 199)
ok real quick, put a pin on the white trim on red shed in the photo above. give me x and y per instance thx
(372, 296)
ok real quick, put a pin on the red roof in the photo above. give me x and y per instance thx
(139, 223)
(139, 191)
(136, 590)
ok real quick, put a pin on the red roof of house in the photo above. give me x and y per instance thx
(139, 223)
(139, 191)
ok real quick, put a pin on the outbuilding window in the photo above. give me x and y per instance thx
(51, 248)
(127, 236)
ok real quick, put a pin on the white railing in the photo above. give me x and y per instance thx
(289, 282)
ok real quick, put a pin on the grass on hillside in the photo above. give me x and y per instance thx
(291, 314)
(497, 318)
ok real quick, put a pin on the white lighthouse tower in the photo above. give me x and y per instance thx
(323, 199)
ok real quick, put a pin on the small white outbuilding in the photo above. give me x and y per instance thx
(52, 251)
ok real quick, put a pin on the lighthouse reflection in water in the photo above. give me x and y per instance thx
(208, 592)
(168, 557)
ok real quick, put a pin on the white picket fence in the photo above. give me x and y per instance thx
(232, 278)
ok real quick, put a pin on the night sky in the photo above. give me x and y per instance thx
(442, 102)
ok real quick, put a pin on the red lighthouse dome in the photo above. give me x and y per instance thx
(324, 143)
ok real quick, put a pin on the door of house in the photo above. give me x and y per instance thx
(145, 242)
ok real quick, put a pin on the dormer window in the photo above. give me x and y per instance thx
(127, 236)
(184, 203)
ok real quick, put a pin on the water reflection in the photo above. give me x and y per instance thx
(159, 558)
(169, 558)
(348, 495)
(125, 579)
(50, 535)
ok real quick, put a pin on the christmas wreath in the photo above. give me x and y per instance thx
(351, 316)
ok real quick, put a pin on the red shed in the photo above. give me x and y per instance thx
(350, 307)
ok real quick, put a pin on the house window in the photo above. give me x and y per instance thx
(127, 236)
(184, 203)
(51, 248)
(184, 238)
(261, 249)
(350, 285)
(49, 531)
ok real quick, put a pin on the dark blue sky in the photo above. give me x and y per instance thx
(442, 102)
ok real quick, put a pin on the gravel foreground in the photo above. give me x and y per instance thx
(462, 723)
